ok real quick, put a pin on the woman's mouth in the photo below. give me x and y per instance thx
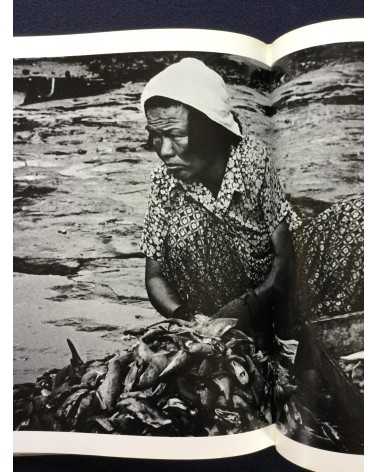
(176, 168)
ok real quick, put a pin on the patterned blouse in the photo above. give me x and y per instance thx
(251, 203)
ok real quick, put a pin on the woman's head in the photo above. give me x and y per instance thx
(184, 138)
(189, 117)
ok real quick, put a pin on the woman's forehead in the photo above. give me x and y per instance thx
(165, 116)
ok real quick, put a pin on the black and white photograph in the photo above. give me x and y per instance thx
(188, 245)
(98, 349)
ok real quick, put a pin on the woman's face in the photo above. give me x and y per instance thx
(169, 132)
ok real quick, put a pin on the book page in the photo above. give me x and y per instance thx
(127, 383)
(82, 164)
(317, 102)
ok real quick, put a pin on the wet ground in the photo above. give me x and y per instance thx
(81, 173)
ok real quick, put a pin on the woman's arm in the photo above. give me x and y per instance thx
(162, 296)
(271, 302)
(278, 288)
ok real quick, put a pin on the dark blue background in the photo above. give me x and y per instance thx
(263, 461)
(263, 19)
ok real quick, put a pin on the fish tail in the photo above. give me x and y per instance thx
(75, 359)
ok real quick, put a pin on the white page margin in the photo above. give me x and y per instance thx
(316, 459)
(318, 34)
(151, 40)
(143, 447)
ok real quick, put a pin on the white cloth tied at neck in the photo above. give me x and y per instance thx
(192, 83)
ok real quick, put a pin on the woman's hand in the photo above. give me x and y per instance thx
(162, 296)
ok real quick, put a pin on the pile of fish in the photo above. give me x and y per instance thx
(177, 378)
(353, 367)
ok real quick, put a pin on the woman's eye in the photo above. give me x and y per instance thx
(179, 139)
(176, 140)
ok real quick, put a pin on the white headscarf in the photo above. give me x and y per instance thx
(192, 83)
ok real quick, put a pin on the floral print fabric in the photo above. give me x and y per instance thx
(330, 261)
(212, 249)
(250, 201)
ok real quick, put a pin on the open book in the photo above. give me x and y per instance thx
(215, 308)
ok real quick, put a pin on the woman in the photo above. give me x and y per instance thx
(218, 225)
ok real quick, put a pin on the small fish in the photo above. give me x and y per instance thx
(123, 422)
(71, 402)
(239, 402)
(160, 360)
(248, 395)
(231, 356)
(61, 376)
(143, 352)
(221, 402)
(149, 377)
(217, 327)
(173, 339)
(202, 319)
(153, 333)
(159, 389)
(240, 347)
(40, 403)
(267, 414)
(200, 349)
(131, 377)
(175, 404)
(207, 396)
(124, 359)
(356, 356)
(224, 384)
(283, 392)
(205, 368)
(252, 369)
(239, 371)
(111, 387)
(212, 430)
(104, 424)
(231, 417)
(177, 362)
(158, 363)
(144, 412)
(93, 376)
(84, 405)
(255, 375)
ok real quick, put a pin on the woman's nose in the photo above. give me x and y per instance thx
(166, 149)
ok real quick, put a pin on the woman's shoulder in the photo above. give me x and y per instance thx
(251, 157)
